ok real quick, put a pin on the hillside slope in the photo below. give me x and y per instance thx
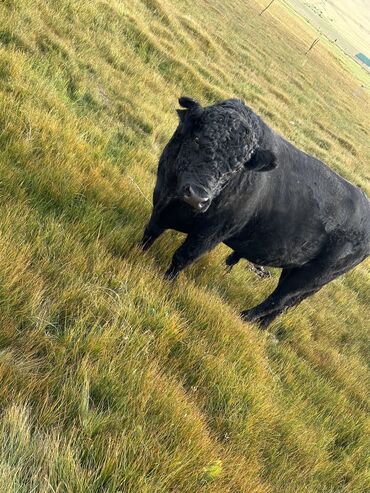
(347, 22)
(113, 380)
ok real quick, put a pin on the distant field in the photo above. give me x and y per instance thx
(113, 380)
(346, 21)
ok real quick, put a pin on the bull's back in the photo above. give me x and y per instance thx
(303, 204)
(320, 195)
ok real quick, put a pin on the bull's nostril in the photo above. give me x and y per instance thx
(203, 203)
(188, 192)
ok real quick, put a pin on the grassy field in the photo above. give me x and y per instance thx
(113, 380)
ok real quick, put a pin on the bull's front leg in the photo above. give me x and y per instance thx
(154, 229)
(151, 232)
(193, 247)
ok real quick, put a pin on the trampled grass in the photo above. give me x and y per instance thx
(113, 380)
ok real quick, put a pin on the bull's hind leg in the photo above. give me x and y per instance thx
(265, 320)
(298, 283)
(232, 260)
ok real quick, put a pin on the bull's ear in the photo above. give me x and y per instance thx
(181, 114)
(262, 160)
(188, 103)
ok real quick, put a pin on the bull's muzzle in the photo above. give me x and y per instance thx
(199, 201)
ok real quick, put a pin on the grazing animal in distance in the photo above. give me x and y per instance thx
(226, 177)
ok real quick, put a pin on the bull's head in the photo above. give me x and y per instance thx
(216, 143)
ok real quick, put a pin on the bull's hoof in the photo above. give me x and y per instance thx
(259, 271)
(248, 316)
(170, 275)
(262, 321)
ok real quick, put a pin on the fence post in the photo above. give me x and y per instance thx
(312, 45)
(269, 5)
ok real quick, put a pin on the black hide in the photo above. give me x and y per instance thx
(225, 176)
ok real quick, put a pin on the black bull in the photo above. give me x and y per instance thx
(225, 176)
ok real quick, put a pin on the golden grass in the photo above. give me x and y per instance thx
(111, 378)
